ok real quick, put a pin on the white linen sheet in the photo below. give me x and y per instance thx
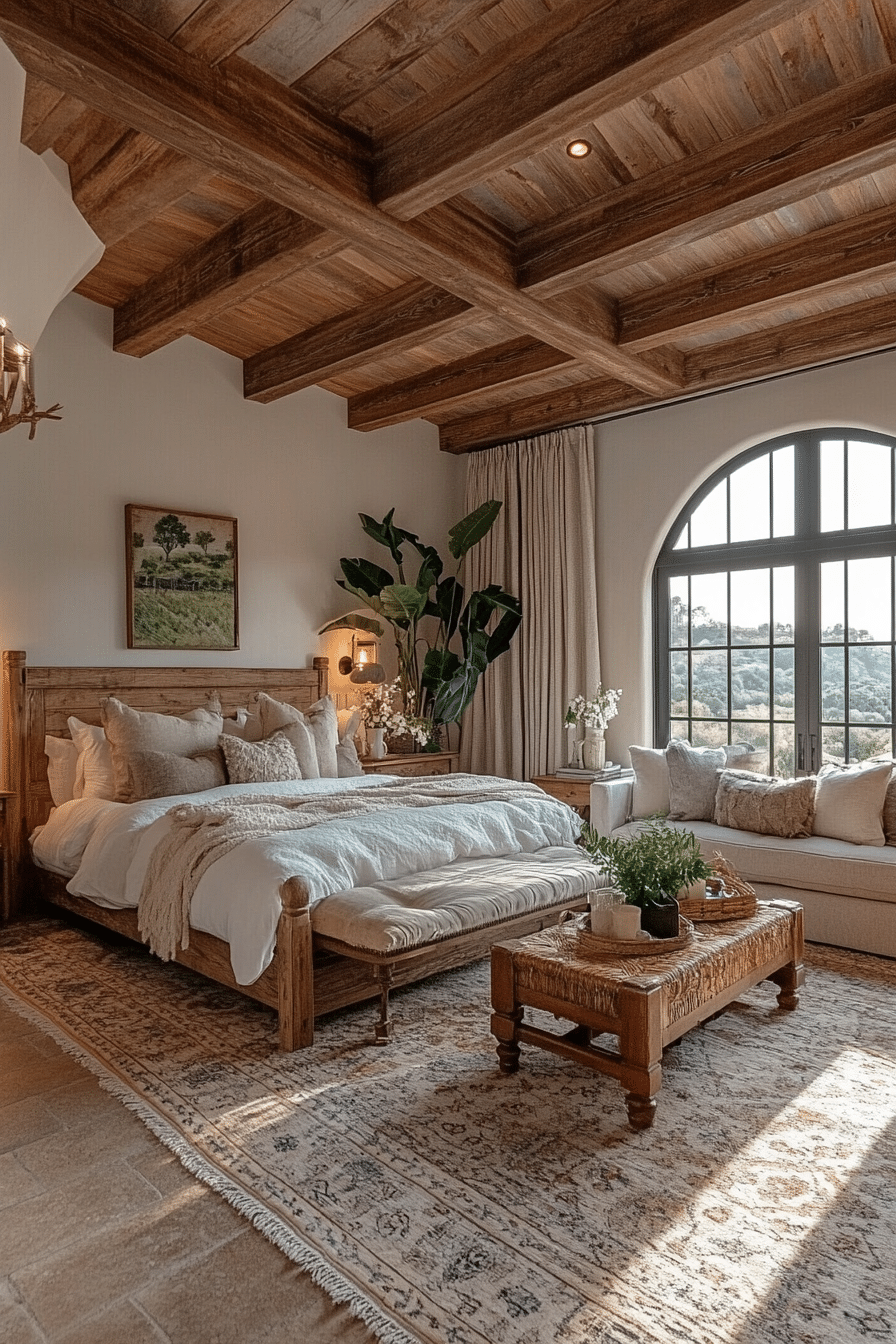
(238, 898)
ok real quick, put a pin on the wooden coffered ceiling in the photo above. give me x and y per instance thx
(375, 195)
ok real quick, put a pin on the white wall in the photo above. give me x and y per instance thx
(648, 466)
(173, 430)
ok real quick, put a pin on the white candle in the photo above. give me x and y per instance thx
(626, 921)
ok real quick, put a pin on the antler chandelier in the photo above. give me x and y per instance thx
(17, 382)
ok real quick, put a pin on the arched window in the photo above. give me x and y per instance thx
(773, 603)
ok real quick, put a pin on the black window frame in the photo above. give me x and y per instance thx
(806, 550)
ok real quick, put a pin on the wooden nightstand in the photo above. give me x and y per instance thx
(576, 792)
(5, 879)
(417, 763)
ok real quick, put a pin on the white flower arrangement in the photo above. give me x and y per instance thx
(595, 712)
(378, 711)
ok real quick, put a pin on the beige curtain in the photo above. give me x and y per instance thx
(543, 549)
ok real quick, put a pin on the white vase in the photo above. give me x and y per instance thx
(594, 749)
(376, 747)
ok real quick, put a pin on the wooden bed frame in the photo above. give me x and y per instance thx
(309, 976)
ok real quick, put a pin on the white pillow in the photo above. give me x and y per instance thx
(62, 768)
(650, 791)
(849, 801)
(245, 724)
(95, 777)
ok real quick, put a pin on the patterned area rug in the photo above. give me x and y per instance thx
(449, 1203)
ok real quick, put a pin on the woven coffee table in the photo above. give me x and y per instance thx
(646, 1002)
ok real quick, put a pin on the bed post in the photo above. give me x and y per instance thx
(13, 781)
(295, 973)
(321, 666)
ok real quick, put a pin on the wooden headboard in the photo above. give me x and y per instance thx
(39, 700)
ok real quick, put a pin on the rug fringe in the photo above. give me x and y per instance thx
(334, 1284)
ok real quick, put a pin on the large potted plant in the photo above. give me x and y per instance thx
(428, 611)
(650, 869)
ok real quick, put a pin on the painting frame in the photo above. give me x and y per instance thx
(182, 593)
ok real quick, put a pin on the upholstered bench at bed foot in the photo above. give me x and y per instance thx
(450, 916)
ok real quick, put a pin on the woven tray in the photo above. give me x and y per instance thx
(588, 944)
(731, 905)
(736, 898)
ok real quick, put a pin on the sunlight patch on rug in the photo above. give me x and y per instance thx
(451, 1204)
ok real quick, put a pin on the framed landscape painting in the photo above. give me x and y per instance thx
(181, 579)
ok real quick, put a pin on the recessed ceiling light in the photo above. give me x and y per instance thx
(578, 149)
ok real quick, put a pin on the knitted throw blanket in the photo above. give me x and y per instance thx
(202, 833)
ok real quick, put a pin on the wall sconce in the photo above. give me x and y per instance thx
(362, 666)
(17, 380)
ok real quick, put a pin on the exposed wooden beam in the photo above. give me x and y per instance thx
(259, 248)
(830, 259)
(537, 414)
(453, 384)
(135, 180)
(244, 125)
(584, 60)
(857, 328)
(46, 114)
(118, 199)
(389, 325)
(833, 139)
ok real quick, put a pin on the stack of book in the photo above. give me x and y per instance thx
(610, 771)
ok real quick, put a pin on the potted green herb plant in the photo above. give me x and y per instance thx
(649, 869)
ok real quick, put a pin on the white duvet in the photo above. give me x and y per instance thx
(106, 847)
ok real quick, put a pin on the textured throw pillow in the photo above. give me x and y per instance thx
(95, 776)
(162, 774)
(259, 762)
(768, 806)
(320, 720)
(62, 768)
(650, 788)
(130, 730)
(849, 802)
(693, 780)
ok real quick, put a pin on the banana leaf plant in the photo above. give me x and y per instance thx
(428, 610)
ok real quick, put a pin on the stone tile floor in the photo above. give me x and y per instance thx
(106, 1239)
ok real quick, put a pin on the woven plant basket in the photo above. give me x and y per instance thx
(736, 899)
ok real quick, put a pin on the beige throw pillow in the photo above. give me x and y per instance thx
(750, 802)
(264, 762)
(693, 780)
(131, 730)
(888, 818)
(849, 802)
(162, 774)
(321, 722)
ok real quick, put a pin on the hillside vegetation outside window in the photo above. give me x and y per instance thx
(774, 603)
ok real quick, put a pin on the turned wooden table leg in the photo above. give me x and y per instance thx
(506, 1016)
(641, 1051)
(641, 1110)
(788, 978)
